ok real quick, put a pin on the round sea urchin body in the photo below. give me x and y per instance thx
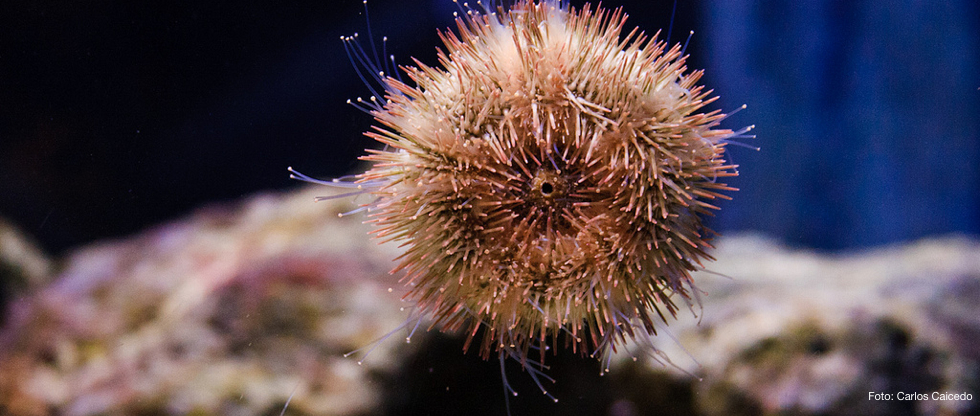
(547, 179)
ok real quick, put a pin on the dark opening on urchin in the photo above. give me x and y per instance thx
(548, 186)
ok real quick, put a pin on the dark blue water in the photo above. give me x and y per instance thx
(117, 115)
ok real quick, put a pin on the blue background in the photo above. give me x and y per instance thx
(118, 115)
(868, 114)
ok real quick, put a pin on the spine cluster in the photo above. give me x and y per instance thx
(548, 179)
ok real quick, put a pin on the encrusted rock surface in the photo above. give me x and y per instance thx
(23, 267)
(238, 308)
(794, 331)
(227, 312)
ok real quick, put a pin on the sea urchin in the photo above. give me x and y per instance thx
(548, 179)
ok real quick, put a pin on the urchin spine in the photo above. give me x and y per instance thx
(547, 178)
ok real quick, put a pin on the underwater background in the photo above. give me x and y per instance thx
(144, 146)
(115, 116)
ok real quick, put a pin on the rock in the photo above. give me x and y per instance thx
(798, 332)
(231, 311)
(241, 309)
(23, 266)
